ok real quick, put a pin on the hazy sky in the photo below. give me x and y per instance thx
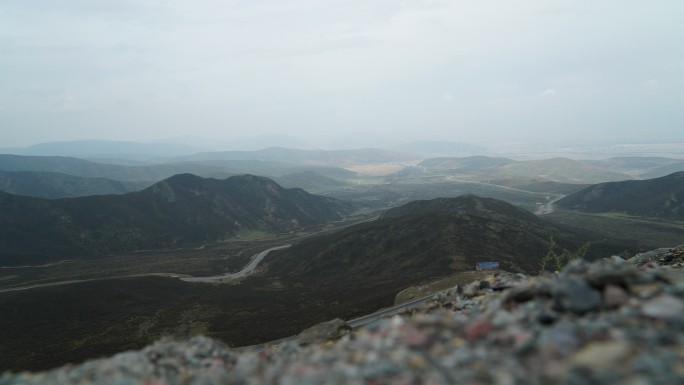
(472, 71)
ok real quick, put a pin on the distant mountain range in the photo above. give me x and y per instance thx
(308, 157)
(180, 211)
(54, 185)
(89, 169)
(153, 173)
(105, 149)
(660, 197)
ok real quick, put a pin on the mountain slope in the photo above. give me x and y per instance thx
(53, 185)
(179, 211)
(421, 241)
(659, 197)
(309, 180)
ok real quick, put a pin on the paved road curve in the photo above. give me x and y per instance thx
(354, 323)
(247, 270)
(388, 312)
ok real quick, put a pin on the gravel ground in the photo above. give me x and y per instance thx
(608, 322)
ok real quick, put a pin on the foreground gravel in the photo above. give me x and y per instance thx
(608, 322)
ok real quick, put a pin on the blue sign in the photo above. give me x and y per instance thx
(486, 266)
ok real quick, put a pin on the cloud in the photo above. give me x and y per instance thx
(448, 98)
(549, 92)
(651, 83)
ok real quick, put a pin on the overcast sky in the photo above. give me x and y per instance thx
(471, 71)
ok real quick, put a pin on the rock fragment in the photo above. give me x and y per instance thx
(575, 295)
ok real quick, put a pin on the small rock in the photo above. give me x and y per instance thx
(673, 277)
(616, 259)
(546, 318)
(663, 307)
(477, 328)
(471, 289)
(645, 290)
(324, 331)
(560, 339)
(575, 295)
(614, 296)
(599, 355)
(527, 291)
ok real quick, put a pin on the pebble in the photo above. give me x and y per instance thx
(614, 296)
(606, 322)
(575, 295)
(599, 355)
(663, 307)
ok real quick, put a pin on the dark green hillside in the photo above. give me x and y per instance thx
(182, 210)
(54, 185)
(345, 274)
(309, 180)
(661, 197)
(465, 204)
(425, 240)
(548, 187)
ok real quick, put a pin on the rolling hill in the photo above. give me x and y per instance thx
(179, 211)
(424, 240)
(309, 180)
(466, 165)
(660, 197)
(52, 185)
(643, 167)
(560, 170)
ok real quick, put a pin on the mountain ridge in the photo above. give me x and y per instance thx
(182, 210)
(54, 185)
(658, 197)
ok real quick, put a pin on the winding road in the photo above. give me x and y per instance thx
(547, 208)
(247, 270)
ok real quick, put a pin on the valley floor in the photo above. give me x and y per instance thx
(611, 321)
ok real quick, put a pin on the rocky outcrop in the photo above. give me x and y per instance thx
(611, 321)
